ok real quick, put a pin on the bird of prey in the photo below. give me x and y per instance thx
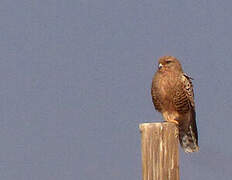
(172, 95)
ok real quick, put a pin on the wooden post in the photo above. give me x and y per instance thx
(160, 153)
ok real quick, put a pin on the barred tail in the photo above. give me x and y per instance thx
(188, 136)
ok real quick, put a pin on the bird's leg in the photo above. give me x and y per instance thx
(170, 118)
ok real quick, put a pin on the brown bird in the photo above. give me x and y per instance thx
(172, 95)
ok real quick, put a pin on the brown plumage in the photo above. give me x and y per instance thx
(172, 95)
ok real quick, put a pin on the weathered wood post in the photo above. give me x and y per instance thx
(160, 153)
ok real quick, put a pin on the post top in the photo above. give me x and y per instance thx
(142, 126)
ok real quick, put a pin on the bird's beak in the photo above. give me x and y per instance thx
(160, 65)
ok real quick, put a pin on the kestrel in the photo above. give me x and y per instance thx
(172, 95)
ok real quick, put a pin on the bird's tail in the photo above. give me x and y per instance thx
(188, 135)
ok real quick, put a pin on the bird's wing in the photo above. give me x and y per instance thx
(189, 89)
(184, 96)
(185, 104)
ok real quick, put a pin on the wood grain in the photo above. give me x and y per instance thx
(160, 153)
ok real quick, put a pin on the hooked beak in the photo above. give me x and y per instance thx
(160, 66)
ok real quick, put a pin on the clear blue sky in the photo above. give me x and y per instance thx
(75, 81)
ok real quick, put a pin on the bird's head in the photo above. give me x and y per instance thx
(169, 63)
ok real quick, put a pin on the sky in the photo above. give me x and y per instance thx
(75, 81)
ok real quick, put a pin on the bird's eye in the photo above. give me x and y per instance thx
(168, 62)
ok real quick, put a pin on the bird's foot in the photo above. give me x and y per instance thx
(174, 121)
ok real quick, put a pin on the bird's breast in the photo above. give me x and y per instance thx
(166, 87)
